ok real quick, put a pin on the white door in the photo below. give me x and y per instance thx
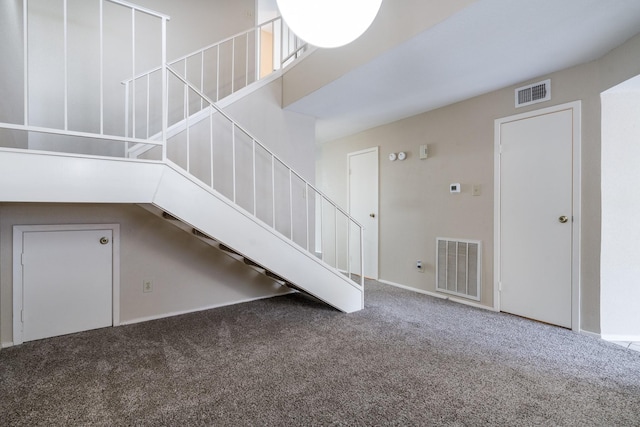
(66, 282)
(363, 205)
(536, 215)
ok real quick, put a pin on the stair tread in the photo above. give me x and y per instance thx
(167, 215)
(252, 263)
(228, 249)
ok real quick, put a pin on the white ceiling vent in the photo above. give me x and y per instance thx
(534, 93)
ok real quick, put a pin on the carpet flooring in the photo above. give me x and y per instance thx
(406, 359)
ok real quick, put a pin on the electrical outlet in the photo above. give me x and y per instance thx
(419, 266)
(147, 286)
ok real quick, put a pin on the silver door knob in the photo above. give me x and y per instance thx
(372, 215)
(104, 240)
(563, 219)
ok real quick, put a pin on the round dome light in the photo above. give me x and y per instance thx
(329, 23)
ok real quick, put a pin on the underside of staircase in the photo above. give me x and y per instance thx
(169, 192)
(160, 139)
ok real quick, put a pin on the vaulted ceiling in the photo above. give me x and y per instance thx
(486, 46)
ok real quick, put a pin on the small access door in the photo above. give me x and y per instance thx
(63, 280)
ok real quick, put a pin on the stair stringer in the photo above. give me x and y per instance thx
(33, 176)
(219, 218)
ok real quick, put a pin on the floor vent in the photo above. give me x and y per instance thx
(534, 93)
(458, 267)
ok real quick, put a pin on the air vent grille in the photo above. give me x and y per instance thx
(458, 267)
(534, 93)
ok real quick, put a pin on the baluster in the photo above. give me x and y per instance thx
(255, 209)
(66, 64)
(25, 50)
(233, 158)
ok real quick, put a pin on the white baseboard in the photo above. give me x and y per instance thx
(195, 310)
(622, 338)
(589, 333)
(437, 295)
(6, 344)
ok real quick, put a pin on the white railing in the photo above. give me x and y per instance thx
(250, 55)
(72, 101)
(225, 157)
(63, 95)
(217, 70)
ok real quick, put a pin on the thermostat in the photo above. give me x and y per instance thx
(454, 188)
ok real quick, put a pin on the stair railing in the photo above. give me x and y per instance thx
(251, 55)
(166, 111)
(208, 145)
(52, 101)
(217, 70)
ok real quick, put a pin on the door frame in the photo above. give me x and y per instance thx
(18, 247)
(377, 249)
(576, 107)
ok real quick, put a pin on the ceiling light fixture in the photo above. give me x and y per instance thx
(329, 23)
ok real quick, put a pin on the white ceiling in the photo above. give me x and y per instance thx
(487, 46)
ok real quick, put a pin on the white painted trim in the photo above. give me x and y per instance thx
(590, 334)
(349, 155)
(437, 295)
(196, 310)
(576, 107)
(18, 246)
(624, 338)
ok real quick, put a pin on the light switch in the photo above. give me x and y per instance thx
(476, 189)
(424, 152)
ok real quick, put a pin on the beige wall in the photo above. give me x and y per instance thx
(187, 274)
(415, 205)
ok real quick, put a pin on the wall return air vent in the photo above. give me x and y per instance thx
(533, 93)
(459, 267)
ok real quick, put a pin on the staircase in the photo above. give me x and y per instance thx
(170, 148)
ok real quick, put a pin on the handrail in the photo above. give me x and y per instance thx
(275, 156)
(292, 49)
(212, 45)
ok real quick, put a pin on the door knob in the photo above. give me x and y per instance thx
(563, 219)
(372, 215)
(104, 240)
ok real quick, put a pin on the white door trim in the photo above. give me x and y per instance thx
(18, 246)
(356, 153)
(575, 225)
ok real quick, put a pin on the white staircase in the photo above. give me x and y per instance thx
(241, 200)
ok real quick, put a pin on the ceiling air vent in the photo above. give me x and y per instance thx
(534, 93)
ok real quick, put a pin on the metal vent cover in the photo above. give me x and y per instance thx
(459, 267)
(533, 93)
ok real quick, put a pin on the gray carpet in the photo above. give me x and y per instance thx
(407, 359)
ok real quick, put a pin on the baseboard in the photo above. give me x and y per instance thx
(590, 334)
(622, 338)
(6, 344)
(195, 310)
(436, 295)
